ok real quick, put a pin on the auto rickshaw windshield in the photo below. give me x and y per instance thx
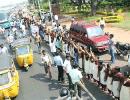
(22, 50)
(5, 78)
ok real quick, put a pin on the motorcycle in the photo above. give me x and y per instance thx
(123, 50)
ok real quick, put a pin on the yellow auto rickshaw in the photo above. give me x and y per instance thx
(23, 52)
(9, 78)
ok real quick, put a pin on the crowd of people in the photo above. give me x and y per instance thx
(79, 63)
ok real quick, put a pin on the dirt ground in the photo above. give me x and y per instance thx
(120, 34)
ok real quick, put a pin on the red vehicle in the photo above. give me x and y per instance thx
(89, 35)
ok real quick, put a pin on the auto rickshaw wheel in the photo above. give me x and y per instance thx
(30, 65)
(26, 68)
(7, 98)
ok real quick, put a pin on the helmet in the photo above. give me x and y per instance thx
(63, 92)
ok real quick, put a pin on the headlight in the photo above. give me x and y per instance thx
(102, 43)
(99, 44)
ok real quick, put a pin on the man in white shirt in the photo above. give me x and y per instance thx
(2, 30)
(67, 68)
(14, 29)
(46, 61)
(23, 29)
(4, 49)
(56, 19)
(52, 43)
(102, 23)
(76, 78)
(10, 40)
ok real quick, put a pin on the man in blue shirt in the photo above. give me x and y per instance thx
(59, 63)
(112, 48)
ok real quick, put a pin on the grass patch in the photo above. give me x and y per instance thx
(93, 18)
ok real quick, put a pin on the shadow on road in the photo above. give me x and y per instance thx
(54, 85)
(41, 77)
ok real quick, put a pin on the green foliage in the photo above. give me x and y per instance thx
(45, 6)
(113, 19)
(106, 13)
(93, 18)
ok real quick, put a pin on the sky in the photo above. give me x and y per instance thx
(9, 2)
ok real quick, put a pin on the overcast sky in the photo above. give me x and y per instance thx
(9, 2)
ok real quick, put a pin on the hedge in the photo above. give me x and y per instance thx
(112, 19)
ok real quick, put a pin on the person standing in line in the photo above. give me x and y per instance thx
(102, 78)
(108, 75)
(38, 41)
(81, 55)
(102, 23)
(46, 61)
(116, 83)
(112, 48)
(59, 63)
(67, 68)
(125, 89)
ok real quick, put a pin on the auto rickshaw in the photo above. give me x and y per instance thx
(9, 78)
(23, 52)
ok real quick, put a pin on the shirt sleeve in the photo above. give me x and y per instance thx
(49, 39)
(61, 61)
(80, 75)
(64, 65)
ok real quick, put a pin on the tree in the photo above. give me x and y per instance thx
(92, 3)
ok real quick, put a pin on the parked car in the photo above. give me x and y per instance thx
(89, 35)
